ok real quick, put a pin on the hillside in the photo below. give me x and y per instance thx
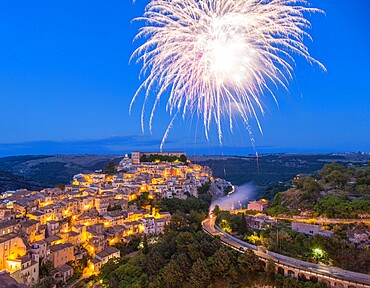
(53, 169)
(337, 191)
(8, 181)
(271, 168)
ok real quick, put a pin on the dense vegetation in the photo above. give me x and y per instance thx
(267, 169)
(335, 192)
(187, 257)
(49, 170)
(9, 181)
(162, 158)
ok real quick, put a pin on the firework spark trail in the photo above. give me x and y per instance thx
(216, 58)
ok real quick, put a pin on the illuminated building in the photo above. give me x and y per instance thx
(12, 247)
(60, 254)
(103, 257)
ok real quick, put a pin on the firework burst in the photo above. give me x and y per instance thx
(215, 58)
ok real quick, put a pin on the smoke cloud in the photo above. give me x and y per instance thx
(236, 200)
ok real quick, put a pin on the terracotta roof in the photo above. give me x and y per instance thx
(261, 202)
(24, 259)
(29, 223)
(7, 224)
(107, 252)
(58, 247)
(37, 213)
(8, 237)
(95, 260)
(52, 239)
(64, 268)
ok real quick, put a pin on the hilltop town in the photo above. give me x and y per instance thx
(78, 225)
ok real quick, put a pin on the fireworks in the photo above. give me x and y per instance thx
(215, 58)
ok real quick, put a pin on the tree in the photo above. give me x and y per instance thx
(337, 178)
(143, 158)
(110, 168)
(329, 168)
(154, 262)
(299, 181)
(220, 262)
(249, 262)
(107, 270)
(311, 189)
(243, 225)
(145, 249)
(183, 158)
(178, 220)
(183, 240)
(61, 186)
(175, 274)
(216, 210)
(204, 188)
(200, 275)
(311, 185)
(45, 267)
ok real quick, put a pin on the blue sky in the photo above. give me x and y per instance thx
(66, 84)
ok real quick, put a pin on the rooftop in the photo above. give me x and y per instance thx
(7, 224)
(29, 223)
(24, 259)
(52, 239)
(8, 282)
(107, 252)
(7, 237)
(37, 213)
(64, 268)
(59, 247)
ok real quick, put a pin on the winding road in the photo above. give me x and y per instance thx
(352, 279)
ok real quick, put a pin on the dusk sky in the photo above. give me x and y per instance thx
(66, 85)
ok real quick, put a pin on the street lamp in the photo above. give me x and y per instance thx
(318, 253)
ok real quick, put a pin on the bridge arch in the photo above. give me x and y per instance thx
(326, 282)
(263, 263)
(280, 270)
(291, 273)
(302, 277)
(314, 279)
(338, 285)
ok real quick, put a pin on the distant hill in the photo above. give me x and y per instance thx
(10, 182)
(271, 168)
(49, 170)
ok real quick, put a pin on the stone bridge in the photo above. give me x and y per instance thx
(290, 267)
(305, 275)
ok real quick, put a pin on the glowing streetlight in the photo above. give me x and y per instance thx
(318, 253)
